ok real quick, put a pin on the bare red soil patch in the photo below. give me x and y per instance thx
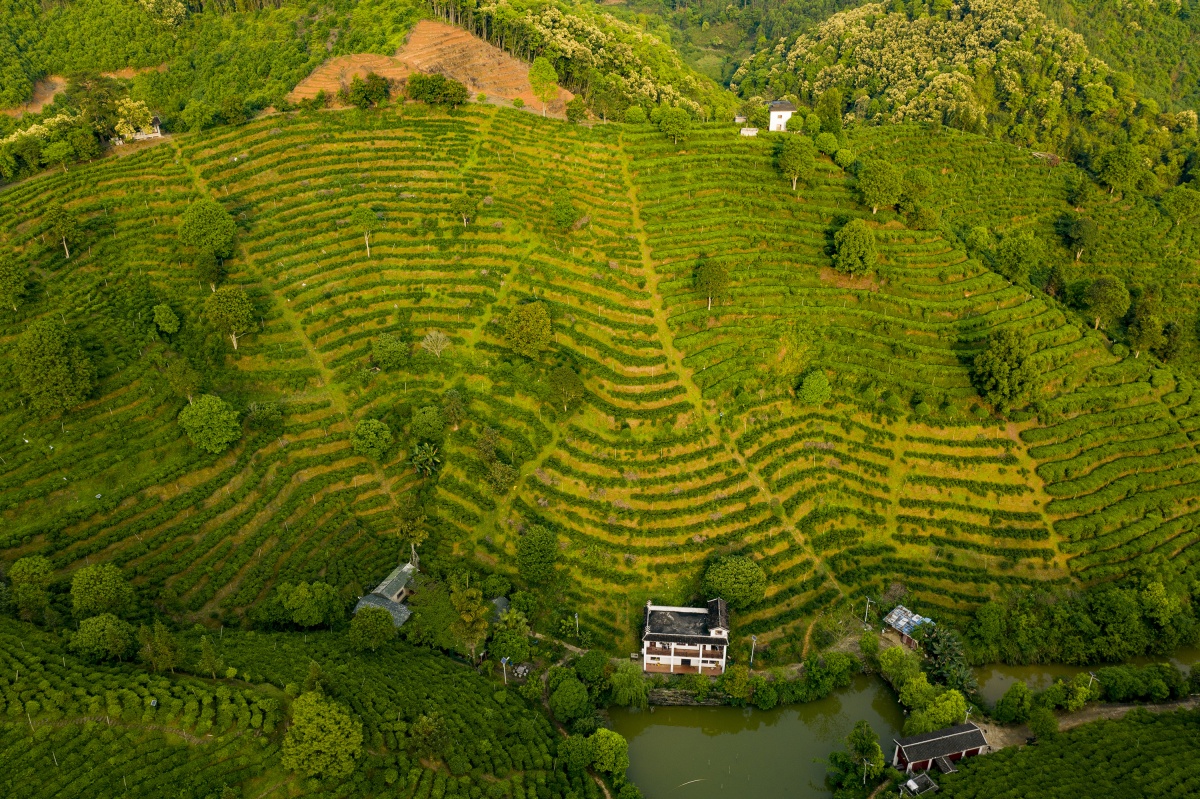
(337, 72)
(436, 47)
(49, 87)
(844, 281)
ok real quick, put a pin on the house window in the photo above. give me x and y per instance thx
(685, 662)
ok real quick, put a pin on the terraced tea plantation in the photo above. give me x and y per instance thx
(688, 441)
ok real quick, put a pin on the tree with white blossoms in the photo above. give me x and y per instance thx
(165, 12)
(132, 116)
(435, 342)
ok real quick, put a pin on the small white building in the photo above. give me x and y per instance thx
(781, 111)
(749, 131)
(686, 640)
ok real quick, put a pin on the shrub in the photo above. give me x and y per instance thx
(436, 90)
(54, 371)
(737, 579)
(210, 423)
(208, 227)
(537, 551)
(100, 588)
(371, 439)
(323, 741)
(371, 628)
(827, 143)
(814, 390)
(1005, 372)
(103, 637)
(854, 248)
(569, 701)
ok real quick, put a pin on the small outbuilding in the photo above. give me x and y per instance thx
(749, 131)
(939, 748)
(905, 622)
(391, 593)
(739, 120)
(781, 111)
(918, 785)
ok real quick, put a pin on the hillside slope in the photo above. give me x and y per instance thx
(687, 443)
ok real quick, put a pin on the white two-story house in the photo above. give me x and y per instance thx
(686, 640)
(781, 111)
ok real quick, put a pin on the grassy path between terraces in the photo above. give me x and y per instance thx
(329, 385)
(686, 375)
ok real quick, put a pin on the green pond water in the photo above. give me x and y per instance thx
(719, 752)
(994, 680)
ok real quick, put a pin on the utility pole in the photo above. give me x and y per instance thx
(867, 610)
(577, 625)
(753, 642)
(504, 666)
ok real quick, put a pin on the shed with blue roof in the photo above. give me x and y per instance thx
(905, 622)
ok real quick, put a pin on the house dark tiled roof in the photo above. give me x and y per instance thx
(665, 623)
(395, 582)
(782, 105)
(673, 622)
(718, 614)
(941, 743)
(399, 612)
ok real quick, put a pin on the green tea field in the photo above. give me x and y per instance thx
(688, 441)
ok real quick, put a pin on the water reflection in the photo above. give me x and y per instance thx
(718, 752)
(721, 751)
(994, 680)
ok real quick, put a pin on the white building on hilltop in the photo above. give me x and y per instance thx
(781, 111)
(686, 640)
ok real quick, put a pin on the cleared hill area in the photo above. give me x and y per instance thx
(436, 47)
(688, 442)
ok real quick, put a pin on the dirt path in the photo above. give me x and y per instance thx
(49, 87)
(687, 376)
(1005, 735)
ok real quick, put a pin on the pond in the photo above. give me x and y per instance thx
(717, 752)
(995, 679)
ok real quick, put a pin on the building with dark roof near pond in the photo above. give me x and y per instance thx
(391, 593)
(939, 748)
(685, 640)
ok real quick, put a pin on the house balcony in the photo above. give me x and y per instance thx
(665, 668)
(712, 670)
(658, 651)
(680, 652)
